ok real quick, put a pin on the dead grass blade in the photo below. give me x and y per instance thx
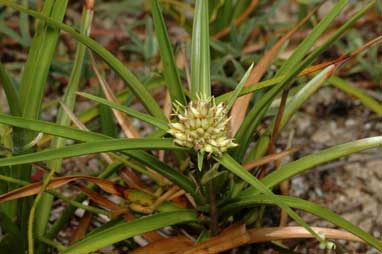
(232, 237)
(342, 58)
(133, 180)
(122, 119)
(259, 235)
(165, 196)
(167, 108)
(81, 126)
(99, 199)
(269, 158)
(238, 235)
(240, 107)
(165, 246)
(82, 228)
(34, 188)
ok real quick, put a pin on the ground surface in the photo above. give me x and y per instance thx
(351, 186)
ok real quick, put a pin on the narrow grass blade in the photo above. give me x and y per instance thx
(229, 163)
(312, 208)
(128, 129)
(367, 100)
(238, 88)
(36, 73)
(24, 25)
(32, 90)
(35, 188)
(290, 73)
(91, 148)
(84, 136)
(297, 167)
(171, 174)
(241, 105)
(299, 53)
(10, 92)
(108, 124)
(51, 128)
(131, 80)
(303, 94)
(69, 211)
(170, 70)
(124, 230)
(131, 112)
(200, 52)
(44, 204)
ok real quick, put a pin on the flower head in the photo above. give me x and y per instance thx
(203, 126)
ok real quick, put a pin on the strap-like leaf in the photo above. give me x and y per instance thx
(170, 71)
(312, 208)
(124, 230)
(131, 80)
(200, 53)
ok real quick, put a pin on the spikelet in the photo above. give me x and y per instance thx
(203, 126)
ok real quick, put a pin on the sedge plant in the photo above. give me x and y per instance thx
(200, 164)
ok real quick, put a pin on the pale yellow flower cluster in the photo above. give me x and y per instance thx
(203, 126)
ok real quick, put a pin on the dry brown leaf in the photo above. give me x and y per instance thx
(122, 119)
(165, 196)
(283, 233)
(81, 126)
(82, 228)
(89, 4)
(167, 108)
(230, 238)
(238, 235)
(165, 246)
(239, 108)
(98, 199)
(133, 180)
(34, 188)
(342, 58)
(269, 158)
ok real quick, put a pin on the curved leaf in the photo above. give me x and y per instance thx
(131, 80)
(200, 52)
(124, 230)
(91, 148)
(290, 71)
(170, 71)
(297, 167)
(229, 163)
(309, 207)
(79, 135)
(131, 112)
(51, 128)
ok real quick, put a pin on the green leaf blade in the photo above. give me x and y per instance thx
(111, 145)
(200, 52)
(170, 71)
(125, 230)
(131, 80)
(146, 118)
(312, 208)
